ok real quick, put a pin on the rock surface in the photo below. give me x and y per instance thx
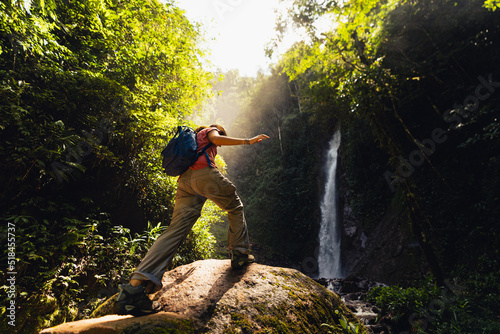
(209, 297)
(386, 251)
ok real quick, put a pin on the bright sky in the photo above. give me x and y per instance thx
(237, 31)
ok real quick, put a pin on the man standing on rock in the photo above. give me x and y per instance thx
(200, 182)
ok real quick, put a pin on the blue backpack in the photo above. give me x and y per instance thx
(181, 152)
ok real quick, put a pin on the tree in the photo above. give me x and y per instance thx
(89, 90)
(400, 67)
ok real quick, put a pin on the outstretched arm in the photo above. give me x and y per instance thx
(219, 140)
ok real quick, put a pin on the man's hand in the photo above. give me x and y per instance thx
(258, 139)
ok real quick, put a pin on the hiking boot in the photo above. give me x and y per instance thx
(133, 300)
(239, 260)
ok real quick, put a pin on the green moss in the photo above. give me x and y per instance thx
(240, 324)
(283, 319)
(275, 325)
(313, 306)
(105, 308)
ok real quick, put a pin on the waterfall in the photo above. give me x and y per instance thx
(329, 264)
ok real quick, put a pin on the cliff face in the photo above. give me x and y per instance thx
(208, 296)
(386, 252)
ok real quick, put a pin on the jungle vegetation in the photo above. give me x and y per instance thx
(91, 91)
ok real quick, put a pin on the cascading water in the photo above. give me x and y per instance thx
(329, 264)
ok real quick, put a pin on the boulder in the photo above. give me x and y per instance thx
(209, 297)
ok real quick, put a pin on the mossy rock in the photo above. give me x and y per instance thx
(209, 297)
(105, 308)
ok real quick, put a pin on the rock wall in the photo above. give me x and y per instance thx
(387, 253)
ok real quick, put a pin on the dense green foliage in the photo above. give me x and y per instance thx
(414, 87)
(465, 308)
(421, 78)
(88, 91)
(393, 71)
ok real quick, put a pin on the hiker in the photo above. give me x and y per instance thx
(200, 182)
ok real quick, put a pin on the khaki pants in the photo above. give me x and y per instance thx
(194, 188)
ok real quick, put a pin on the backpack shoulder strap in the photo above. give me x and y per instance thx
(204, 151)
